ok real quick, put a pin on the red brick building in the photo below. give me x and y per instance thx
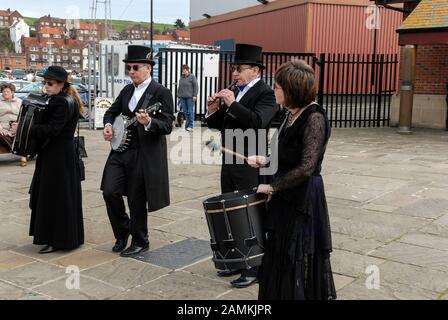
(140, 32)
(49, 22)
(50, 33)
(8, 17)
(41, 52)
(13, 61)
(423, 36)
(136, 32)
(87, 32)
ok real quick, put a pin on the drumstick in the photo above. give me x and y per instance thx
(214, 146)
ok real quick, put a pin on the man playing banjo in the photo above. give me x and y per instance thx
(138, 169)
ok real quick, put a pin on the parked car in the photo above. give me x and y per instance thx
(37, 87)
(19, 74)
(33, 87)
(19, 84)
(5, 74)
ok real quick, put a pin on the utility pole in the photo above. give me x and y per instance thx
(152, 32)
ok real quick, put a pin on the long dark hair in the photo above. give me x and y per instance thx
(70, 90)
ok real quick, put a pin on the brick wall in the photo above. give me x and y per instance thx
(432, 69)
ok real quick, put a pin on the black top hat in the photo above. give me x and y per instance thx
(139, 54)
(248, 54)
(56, 73)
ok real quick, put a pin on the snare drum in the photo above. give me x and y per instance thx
(235, 222)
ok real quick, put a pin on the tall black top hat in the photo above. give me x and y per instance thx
(56, 73)
(248, 54)
(139, 54)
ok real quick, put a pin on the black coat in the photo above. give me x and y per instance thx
(153, 144)
(255, 110)
(56, 205)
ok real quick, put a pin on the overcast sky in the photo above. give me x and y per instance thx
(165, 11)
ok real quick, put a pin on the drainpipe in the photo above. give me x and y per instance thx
(446, 123)
(407, 72)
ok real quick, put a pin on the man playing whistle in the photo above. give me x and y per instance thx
(250, 106)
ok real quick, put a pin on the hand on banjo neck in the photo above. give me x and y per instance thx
(143, 117)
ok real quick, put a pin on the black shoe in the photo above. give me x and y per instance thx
(227, 272)
(120, 244)
(243, 281)
(133, 250)
(47, 249)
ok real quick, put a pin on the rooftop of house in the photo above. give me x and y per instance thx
(428, 15)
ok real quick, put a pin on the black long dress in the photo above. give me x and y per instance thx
(296, 264)
(56, 203)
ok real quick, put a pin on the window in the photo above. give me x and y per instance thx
(65, 58)
(55, 50)
(81, 38)
(34, 49)
(64, 50)
(58, 58)
(75, 58)
(57, 36)
(65, 65)
(44, 49)
(45, 57)
(46, 35)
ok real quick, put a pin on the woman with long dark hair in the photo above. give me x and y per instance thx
(56, 202)
(296, 263)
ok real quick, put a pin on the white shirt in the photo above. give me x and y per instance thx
(138, 93)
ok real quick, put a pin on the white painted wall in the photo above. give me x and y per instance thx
(16, 31)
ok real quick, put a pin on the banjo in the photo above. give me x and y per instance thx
(122, 136)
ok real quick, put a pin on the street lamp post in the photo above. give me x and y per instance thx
(151, 26)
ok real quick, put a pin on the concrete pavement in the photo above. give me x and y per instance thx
(388, 202)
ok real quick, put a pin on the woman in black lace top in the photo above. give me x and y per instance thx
(296, 264)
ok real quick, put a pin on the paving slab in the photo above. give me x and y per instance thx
(433, 259)
(33, 274)
(89, 289)
(126, 273)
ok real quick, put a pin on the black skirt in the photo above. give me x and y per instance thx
(296, 264)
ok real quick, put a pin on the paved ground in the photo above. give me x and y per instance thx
(388, 200)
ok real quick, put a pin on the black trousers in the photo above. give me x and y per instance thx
(239, 177)
(123, 175)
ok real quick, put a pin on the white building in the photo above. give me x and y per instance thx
(18, 30)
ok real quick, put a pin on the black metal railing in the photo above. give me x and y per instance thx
(356, 90)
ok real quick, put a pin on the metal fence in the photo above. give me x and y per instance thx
(356, 90)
